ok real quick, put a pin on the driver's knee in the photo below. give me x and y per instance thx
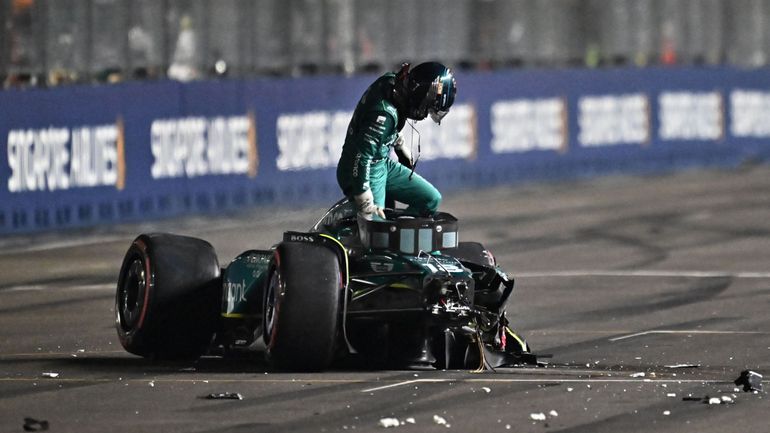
(433, 201)
(427, 205)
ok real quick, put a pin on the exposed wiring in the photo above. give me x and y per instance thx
(438, 263)
(411, 145)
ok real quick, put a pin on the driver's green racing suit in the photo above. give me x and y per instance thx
(365, 164)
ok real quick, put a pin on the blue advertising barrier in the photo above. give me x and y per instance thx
(81, 156)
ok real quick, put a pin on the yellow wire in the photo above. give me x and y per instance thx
(347, 286)
(347, 269)
(516, 337)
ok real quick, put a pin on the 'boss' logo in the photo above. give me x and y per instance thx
(301, 238)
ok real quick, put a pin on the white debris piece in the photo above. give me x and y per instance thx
(152, 384)
(50, 374)
(727, 399)
(683, 366)
(486, 389)
(638, 375)
(570, 389)
(410, 420)
(439, 420)
(389, 422)
(537, 416)
(667, 412)
(715, 400)
(553, 413)
(671, 394)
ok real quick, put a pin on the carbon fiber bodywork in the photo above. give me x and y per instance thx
(436, 308)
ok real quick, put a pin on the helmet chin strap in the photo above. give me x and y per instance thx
(411, 123)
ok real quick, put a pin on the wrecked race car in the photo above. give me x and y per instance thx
(396, 293)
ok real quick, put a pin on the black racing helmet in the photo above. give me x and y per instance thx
(429, 89)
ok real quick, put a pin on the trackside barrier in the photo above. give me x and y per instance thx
(81, 156)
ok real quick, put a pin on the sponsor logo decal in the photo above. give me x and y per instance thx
(197, 146)
(314, 140)
(381, 266)
(311, 140)
(610, 120)
(60, 158)
(691, 116)
(529, 124)
(236, 293)
(356, 161)
(750, 111)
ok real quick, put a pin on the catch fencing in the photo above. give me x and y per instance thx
(47, 42)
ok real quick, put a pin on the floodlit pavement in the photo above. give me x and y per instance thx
(650, 293)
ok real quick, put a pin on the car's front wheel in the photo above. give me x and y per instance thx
(301, 306)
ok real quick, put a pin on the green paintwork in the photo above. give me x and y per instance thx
(243, 281)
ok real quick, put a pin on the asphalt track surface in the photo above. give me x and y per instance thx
(668, 276)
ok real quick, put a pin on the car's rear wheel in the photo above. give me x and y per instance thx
(168, 295)
(301, 307)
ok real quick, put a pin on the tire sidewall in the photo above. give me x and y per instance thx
(305, 313)
(131, 335)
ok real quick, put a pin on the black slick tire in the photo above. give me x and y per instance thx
(168, 296)
(301, 307)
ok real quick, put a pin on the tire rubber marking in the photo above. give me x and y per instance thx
(644, 273)
(692, 331)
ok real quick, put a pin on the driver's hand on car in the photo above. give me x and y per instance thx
(366, 206)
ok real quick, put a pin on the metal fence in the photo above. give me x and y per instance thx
(49, 42)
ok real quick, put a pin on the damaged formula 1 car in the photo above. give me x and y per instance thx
(397, 293)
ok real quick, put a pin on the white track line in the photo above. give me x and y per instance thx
(643, 273)
(37, 287)
(544, 380)
(693, 331)
(407, 382)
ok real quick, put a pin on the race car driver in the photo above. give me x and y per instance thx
(365, 172)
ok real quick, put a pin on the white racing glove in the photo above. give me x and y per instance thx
(403, 153)
(366, 206)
